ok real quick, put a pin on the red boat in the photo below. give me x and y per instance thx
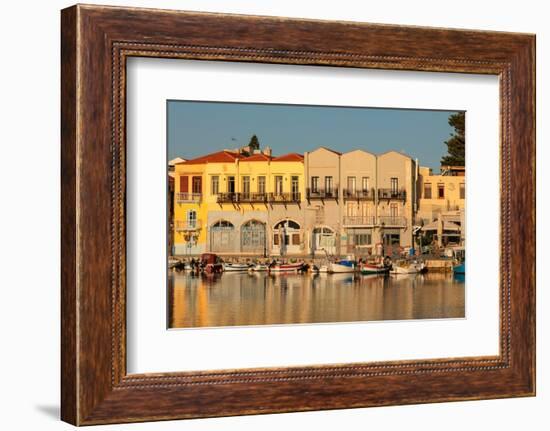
(211, 263)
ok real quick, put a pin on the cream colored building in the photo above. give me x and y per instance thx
(358, 201)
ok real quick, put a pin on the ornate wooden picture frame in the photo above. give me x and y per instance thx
(96, 42)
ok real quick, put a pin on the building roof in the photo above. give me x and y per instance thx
(175, 161)
(217, 157)
(257, 158)
(290, 157)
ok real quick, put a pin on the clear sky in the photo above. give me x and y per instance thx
(198, 128)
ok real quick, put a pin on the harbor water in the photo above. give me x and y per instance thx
(242, 298)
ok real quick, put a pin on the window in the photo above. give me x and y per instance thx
(351, 184)
(427, 190)
(246, 186)
(278, 185)
(295, 239)
(215, 184)
(362, 239)
(295, 188)
(462, 191)
(441, 191)
(314, 184)
(394, 185)
(184, 184)
(231, 184)
(192, 218)
(197, 185)
(261, 185)
(328, 185)
(365, 184)
(394, 211)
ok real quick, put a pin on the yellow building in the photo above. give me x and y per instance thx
(442, 202)
(225, 202)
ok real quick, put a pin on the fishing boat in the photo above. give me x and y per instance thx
(324, 269)
(234, 267)
(406, 268)
(370, 268)
(286, 267)
(460, 268)
(342, 266)
(211, 263)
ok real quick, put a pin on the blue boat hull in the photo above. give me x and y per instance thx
(460, 269)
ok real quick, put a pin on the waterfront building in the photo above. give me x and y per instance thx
(358, 202)
(237, 203)
(441, 204)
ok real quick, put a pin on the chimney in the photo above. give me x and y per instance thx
(267, 151)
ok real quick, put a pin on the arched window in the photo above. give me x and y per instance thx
(287, 224)
(223, 224)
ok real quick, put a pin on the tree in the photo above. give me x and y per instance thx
(254, 143)
(456, 143)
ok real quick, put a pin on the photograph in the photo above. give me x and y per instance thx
(284, 214)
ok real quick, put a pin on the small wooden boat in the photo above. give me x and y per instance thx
(342, 266)
(406, 268)
(369, 268)
(286, 267)
(234, 267)
(172, 262)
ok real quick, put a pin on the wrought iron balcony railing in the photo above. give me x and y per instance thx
(285, 197)
(359, 194)
(392, 194)
(322, 193)
(359, 220)
(188, 197)
(236, 198)
(187, 225)
(392, 221)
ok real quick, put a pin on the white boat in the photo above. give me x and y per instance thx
(342, 266)
(406, 268)
(172, 262)
(369, 268)
(259, 267)
(286, 267)
(233, 267)
(324, 269)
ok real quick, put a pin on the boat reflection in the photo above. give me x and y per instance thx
(237, 299)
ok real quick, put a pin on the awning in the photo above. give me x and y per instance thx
(447, 225)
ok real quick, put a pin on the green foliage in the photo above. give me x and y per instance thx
(456, 143)
(254, 143)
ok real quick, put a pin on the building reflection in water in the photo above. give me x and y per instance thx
(237, 299)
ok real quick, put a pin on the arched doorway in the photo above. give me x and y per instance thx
(223, 237)
(323, 240)
(253, 237)
(287, 238)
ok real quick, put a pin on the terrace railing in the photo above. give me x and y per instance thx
(188, 225)
(188, 197)
(359, 220)
(392, 194)
(392, 221)
(322, 193)
(351, 194)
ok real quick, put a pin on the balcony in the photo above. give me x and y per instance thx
(284, 198)
(392, 221)
(392, 194)
(350, 194)
(236, 198)
(187, 225)
(359, 221)
(188, 197)
(321, 194)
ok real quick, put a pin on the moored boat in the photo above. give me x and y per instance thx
(406, 268)
(286, 267)
(369, 268)
(211, 263)
(234, 267)
(460, 268)
(259, 267)
(342, 266)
